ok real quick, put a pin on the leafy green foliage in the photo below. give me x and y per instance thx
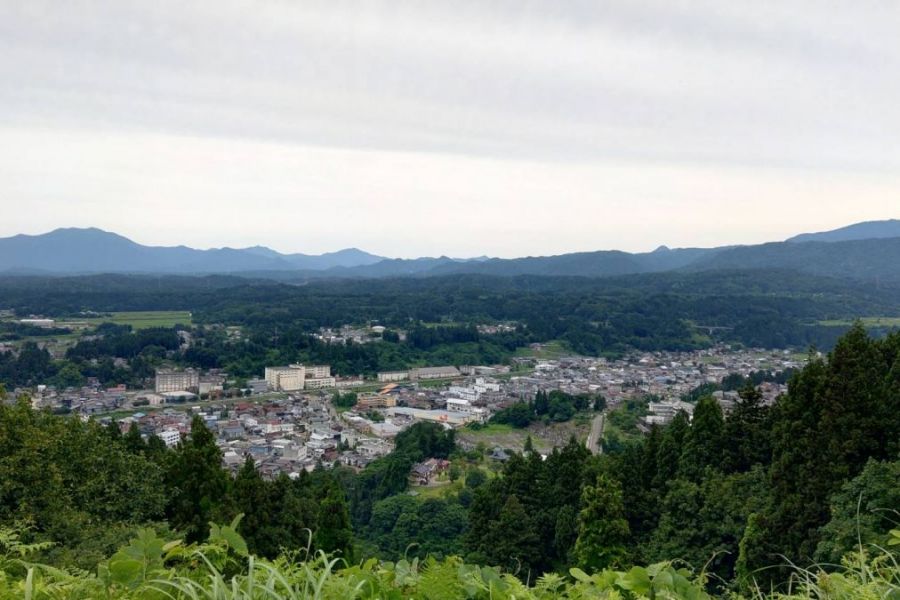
(402, 525)
(347, 400)
(72, 482)
(608, 317)
(863, 512)
(151, 568)
(389, 475)
(555, 406)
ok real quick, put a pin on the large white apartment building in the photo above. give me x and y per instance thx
(293, 378)
(286, 379)
(171, 380)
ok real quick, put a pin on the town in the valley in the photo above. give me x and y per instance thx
(295, 417)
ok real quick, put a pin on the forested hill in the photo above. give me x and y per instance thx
(866, 260)
(671, 311)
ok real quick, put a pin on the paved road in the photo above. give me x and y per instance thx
(596, 435)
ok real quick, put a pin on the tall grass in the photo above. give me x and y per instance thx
(220, 570)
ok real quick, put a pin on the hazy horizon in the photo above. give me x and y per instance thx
(332, 250)
(463, 130)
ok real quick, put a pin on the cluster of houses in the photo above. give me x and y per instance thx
(295, 427)
(665, 376)
(287, 435)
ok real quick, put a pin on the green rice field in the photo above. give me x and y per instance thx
(138, 319)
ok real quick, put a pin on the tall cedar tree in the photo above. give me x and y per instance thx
(197, 483)
(333, 532)
(705, 439)
(669, 453)
(603, 532)
(748, 432)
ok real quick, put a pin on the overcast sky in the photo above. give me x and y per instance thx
(458, 128)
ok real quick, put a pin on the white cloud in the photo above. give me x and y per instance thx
(460, 128)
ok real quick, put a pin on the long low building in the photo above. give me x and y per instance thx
(434, 373)
(389, 376)
(319, 383)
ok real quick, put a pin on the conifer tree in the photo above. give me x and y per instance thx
(250, 497)
(704, 442)
(602, 529)
(197, 483)
(670, 448)
(333, 532)
(747, 432)
(515, 542)
(133, 440)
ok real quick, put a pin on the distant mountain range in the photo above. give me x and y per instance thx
(96, 251)
(868, 250)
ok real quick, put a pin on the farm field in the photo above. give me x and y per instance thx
(142, 319)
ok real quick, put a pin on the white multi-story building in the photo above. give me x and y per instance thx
(458, 405)
(474, 392)
(172, 380)
(483, 386)
(286, 379)
(470, 394)
(170, 437)
(293, 378)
